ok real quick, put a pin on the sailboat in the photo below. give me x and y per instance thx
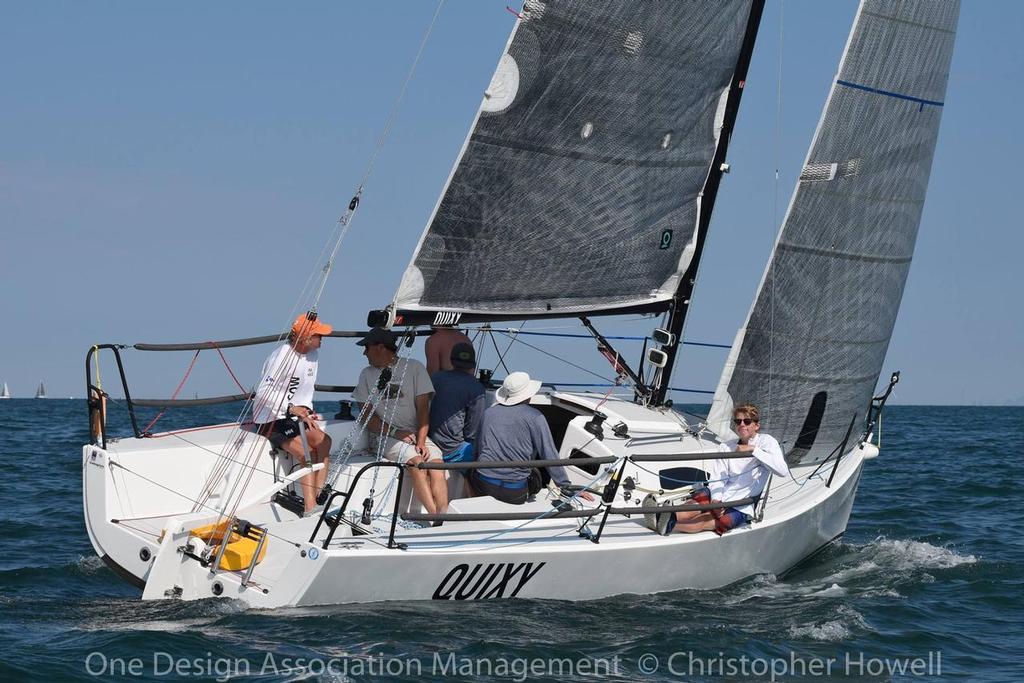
(585, 189)
(41, 391)
(5, 392)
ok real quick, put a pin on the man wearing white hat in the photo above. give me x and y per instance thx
(514, 431)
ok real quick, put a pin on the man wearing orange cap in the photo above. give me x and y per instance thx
(285, 397)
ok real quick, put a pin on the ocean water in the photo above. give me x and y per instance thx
(928, 580)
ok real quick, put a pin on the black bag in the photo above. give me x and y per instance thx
(534, 482)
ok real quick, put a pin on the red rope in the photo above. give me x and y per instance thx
(230, 372)
(175, 394)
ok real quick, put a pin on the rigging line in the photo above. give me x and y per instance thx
(347, 450)
(253, 456)
(280, 373)
(571, 501)
(345, 221)
(226, 365)
(401, 94)
(342, 227)
(775, 206)
(176, 392)
(191, 500)
(558, 358)
(501, 356)
(217, 453)
(283, 371)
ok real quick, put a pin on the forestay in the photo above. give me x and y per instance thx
(814, 342)
(578, 186)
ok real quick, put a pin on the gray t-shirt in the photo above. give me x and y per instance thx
(518, 432)
(457, 409)
(397, 404)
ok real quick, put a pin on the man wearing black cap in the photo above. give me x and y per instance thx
(401, 413)
(457, 410)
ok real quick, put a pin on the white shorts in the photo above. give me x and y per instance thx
(402, 452)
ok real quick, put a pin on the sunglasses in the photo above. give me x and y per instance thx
(743, 421)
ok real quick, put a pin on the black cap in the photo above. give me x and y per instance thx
(378, 335)
(463, 356)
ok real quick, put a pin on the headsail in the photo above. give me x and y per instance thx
(579, 186)
(814, 342)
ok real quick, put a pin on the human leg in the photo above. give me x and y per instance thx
(695, 521)
(405, 453)
(438, 480)
(320, 449)
(294, 448)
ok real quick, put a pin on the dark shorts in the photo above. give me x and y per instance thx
(507, 492)
(730, 519)
(279, 431)
(725, 519)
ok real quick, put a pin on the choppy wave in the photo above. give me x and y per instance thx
(908, 555)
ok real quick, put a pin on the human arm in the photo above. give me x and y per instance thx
(433, 356)
(768, 451)
(544, 445)
(422, 421)
(474, 419)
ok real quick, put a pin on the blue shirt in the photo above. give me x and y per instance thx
(513, 433)
(457, 409)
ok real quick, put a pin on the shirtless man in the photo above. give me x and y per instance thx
(439, 345)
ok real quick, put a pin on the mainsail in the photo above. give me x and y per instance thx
(579, 186)
(814, 341)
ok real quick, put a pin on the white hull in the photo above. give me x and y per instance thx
(131, 482)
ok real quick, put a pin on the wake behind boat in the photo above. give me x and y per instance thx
(584, 189)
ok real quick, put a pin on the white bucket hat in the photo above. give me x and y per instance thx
(516, 388)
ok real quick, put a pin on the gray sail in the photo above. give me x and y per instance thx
(813, 344)
(578, 186)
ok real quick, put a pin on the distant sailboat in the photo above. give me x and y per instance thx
(41, 391)
(6, 393)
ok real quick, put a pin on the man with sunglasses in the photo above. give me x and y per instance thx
(732, 479)
(401, 413)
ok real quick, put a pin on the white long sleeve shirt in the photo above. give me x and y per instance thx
(738, 478)
(288, 379)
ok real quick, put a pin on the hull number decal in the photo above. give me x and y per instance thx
(484, 581)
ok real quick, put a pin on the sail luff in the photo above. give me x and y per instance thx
(706, 202)
(722, 405)
(440, 197)
(814, 340)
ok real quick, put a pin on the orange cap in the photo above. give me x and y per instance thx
(304, 327)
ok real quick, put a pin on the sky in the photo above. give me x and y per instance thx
(170, 173)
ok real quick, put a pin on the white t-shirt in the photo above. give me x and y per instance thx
(288, 378)
(737, 478)
(396, 406)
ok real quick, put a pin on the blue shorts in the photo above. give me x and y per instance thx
(730, 519)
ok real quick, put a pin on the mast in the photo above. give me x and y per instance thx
(681, 301)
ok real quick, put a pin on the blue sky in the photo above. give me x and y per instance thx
(171, 172)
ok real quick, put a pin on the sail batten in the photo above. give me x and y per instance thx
(578, 189)
(836, 276)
